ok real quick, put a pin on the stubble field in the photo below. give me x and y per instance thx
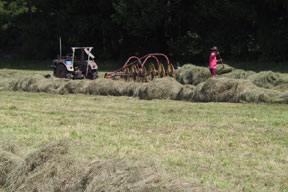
(235, 147)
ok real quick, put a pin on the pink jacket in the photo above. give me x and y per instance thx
(213, 61)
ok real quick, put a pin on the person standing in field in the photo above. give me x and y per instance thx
(213, 60)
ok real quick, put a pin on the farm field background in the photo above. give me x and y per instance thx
(236, 147)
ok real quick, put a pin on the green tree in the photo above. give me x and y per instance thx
(183, 29)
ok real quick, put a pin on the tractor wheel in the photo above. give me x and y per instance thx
(69, 76)
(61, 72)
(94, 75)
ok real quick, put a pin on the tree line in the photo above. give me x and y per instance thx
(183, 29)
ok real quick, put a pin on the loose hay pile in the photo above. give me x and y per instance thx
(196, 84)
(51, 168)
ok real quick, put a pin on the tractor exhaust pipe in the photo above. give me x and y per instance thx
(60, 42)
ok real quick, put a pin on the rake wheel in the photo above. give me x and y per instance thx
(152, 71)
(142, 75)
(170, 70)
(161, 70)
(127, 74)
(134, 72)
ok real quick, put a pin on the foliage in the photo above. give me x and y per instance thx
(183, 29)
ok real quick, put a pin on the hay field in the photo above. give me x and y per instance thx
(234, 147)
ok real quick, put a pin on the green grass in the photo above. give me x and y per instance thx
(259, 66)
(18, 63)
(239, 147)
(43, 67)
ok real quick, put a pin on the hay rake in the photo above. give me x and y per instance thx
(135, 68)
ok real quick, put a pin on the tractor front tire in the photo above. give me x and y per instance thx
(94, 75)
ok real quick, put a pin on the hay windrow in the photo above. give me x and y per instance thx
(38, 167)
(233, 86)
(164, 88)
(186, 93)
(130, 89)
(191, 74)
(267, 79)
(223, 69)
(111, 87)
(8, 161)
(238, 74)
(51, 168)
(281, 87)
(118, 175)
(232, 90)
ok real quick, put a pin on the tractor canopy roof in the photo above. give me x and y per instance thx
(82, 48)
(86, 49)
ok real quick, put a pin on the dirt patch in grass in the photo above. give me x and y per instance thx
(51, 168)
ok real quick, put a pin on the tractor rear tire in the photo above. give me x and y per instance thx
(61, 72)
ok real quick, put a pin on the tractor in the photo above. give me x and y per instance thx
(79, 64)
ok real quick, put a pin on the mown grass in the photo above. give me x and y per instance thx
(237, 147)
